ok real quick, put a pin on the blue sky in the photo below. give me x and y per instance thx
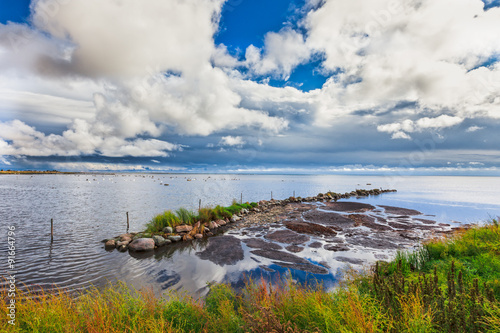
(251, 86)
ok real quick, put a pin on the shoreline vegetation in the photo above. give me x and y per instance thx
(448, 285)
(184, 225)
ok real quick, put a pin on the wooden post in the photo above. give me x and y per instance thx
(51, 230)
(271, 195)
(127, 223)
(199, 205)
(294, 194)
(241, 200)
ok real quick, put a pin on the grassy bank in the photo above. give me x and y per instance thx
(449, 285)
(204, 215)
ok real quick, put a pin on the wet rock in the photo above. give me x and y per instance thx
(335, 240)
(354, 261)
(368, 221)
(400, 211)
(198, 236)
(174, 238)
(401, 226)
(183, 228)
(306, 267)
(336, 247)
(118, 244)
(125, 238)
(294, 248)
(257, 243)
(142, 244)
(122, 248)
(287, 237)
(315, 245)
(373, 242)
(279, 255)
(329, 219)
(168, 230)
(110, 244)
(159, 240)
(223, 250)
(348, 206)
(310, 228)
(425, 221)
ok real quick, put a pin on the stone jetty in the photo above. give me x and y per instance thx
(265, 212)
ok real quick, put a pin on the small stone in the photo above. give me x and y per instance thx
(198, 236)
(205, 230)
(211, 225)
(122, 248)
(174, 238)
(221, 222)
(183, 228)
(142, 244)
(168, 230)
(118, 244)
(110, 244)
(159, 240)
(235, 218)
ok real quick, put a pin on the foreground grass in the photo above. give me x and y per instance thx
(448, 286)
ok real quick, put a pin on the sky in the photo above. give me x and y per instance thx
(304, 86)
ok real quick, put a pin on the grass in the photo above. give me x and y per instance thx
(450, 285)
(205, 214)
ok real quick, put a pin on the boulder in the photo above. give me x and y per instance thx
(168, 230)
(235, 218)
(159, 240)
(174, 238)
(183, 228)
(212, 225)
(142, 244)
(110, 244)
(221, 222)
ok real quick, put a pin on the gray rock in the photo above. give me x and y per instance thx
(168, 230)
(235, 218)
(159, 240)
(142, 244)
(122, 248)
(174, 238)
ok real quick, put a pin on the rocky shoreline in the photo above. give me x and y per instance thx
(266, 212)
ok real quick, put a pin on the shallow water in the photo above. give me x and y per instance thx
(89, 208)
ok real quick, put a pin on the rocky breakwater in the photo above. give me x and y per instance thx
(264, 212)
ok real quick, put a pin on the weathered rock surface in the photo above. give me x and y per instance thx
(110, 244)
(183, 228)
(294, 248)
(328, 218)
(168, 230)
(142, 244)
(354, 261)
(223, 250)
(287, 237)
(279, 255)
(310, 228)
(347, 206)
(258, 243)
(400, 211)
(174, 238)
(160, 241)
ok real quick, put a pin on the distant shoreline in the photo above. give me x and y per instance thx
(32, 172)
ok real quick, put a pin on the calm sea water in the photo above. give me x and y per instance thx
(89, 208)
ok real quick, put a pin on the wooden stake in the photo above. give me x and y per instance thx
(127, 223)
(271, 195)
(199, 205)
(241, 200)
(51, 230)
(294, 194)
